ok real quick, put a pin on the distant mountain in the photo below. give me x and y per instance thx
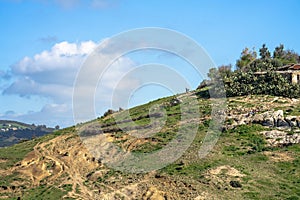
(12, 132)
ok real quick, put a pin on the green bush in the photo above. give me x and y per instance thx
(245, 81)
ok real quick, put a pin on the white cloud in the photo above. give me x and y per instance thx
(63, 55)
(50, 114)
(51, 74)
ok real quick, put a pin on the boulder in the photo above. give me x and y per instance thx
(282, 123)
(292, 121)
(278, 114)
(269, 121)
(258, 119)
(175, 102)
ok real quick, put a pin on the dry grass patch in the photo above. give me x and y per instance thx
(279, 156)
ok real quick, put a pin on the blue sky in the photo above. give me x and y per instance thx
(35, 85)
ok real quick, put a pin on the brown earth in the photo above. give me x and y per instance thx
(279, 156)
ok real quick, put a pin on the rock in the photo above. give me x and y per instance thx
(269, 118)
(278, 114)
(235, 184)
(292, 121)
(276, 119)
(175, 102)
(281, 138)
(268, 122)
(282, 123)
(153, 194)
(3, 187)
(258, 118)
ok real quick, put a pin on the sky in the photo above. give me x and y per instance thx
(44, 44)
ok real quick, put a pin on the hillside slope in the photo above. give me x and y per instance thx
(13, 132)
(256, 157)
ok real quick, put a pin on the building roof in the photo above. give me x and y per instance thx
(290, 67)
(280, 72)
(295, 67)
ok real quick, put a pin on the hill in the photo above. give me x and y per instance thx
(13, 132)
(257, 155)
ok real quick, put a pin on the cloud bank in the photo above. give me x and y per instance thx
(51, 74)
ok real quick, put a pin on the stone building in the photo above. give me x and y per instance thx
(291, 72)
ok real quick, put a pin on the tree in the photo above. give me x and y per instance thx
(225, 70)
(264, 52)
(246, 58)
(278, 52)
(108, 112)
(57, 127)
(291, 57)
(213, 73)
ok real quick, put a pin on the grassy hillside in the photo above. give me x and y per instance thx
(242, 165)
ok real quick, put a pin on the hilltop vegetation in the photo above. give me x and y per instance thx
(244, 80)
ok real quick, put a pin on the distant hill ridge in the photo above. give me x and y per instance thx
(13, 132)
(15, 122)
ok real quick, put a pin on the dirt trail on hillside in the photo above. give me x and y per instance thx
(65, 160)
(60, 161)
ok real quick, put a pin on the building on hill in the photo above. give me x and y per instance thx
(291, 72)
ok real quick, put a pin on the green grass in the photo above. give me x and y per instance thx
(295, 110)
(191, 170)
(107, 175)
(67, 187)
(17, 152)
(292, 110)
(7, 180)
(44, 192)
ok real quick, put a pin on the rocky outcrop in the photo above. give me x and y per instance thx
(281, 138)
(286, 129)
(276, 119)
(270, 119)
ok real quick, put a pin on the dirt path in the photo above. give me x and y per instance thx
(77, 178)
